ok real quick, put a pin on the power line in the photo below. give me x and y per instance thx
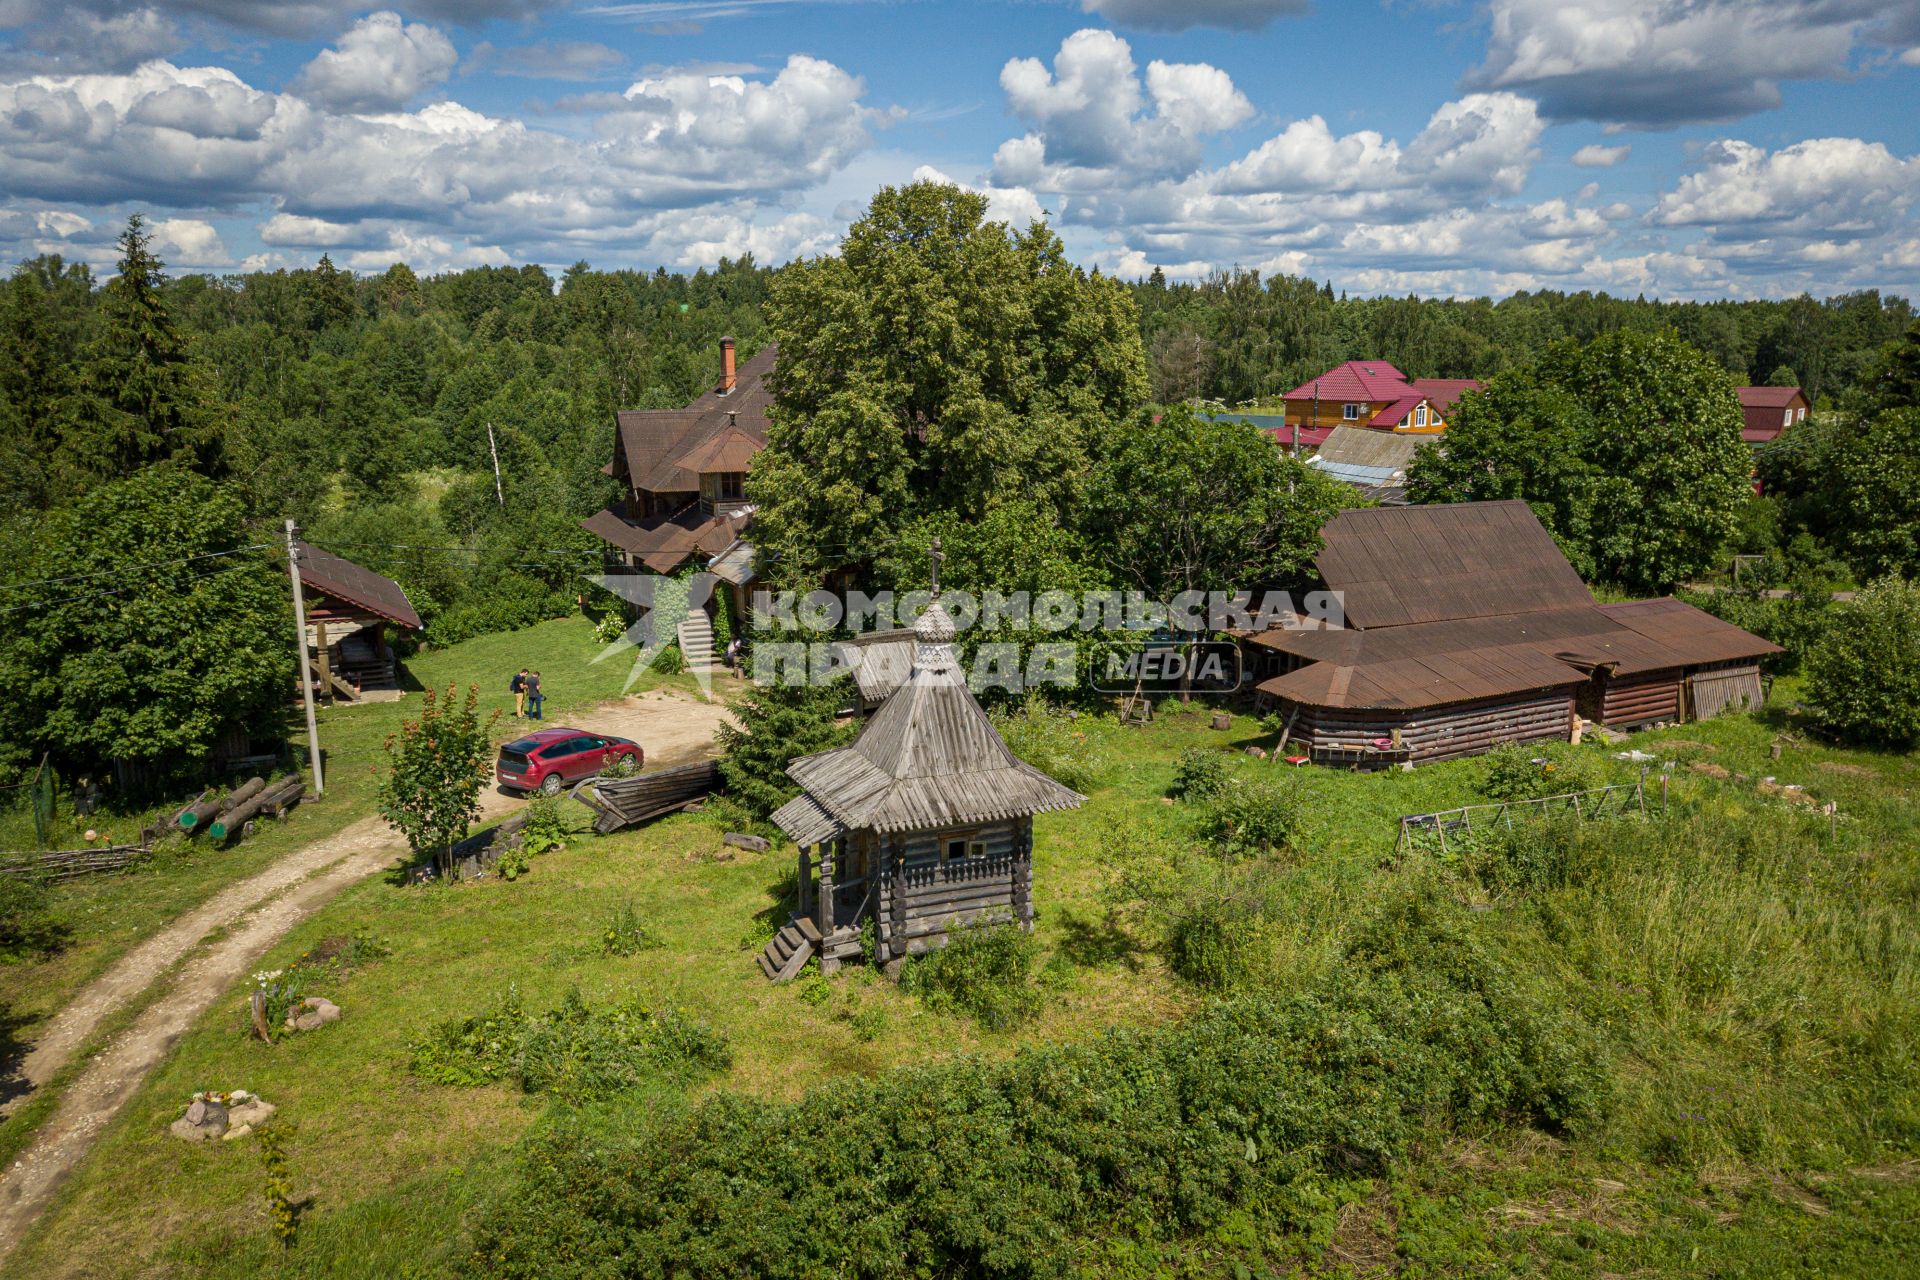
(121, 591)
(132, 568)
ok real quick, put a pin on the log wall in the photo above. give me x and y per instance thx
(1443, 733)
(920, 897)
(1651, 696)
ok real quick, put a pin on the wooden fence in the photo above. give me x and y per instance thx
(70, 864)
(1610, 801)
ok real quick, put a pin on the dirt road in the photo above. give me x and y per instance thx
(256, 913)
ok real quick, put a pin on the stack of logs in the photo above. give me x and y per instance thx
(234, 813)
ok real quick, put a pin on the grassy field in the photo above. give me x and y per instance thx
(1752, 969)
(106, 916)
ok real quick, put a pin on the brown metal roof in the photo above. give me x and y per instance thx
(1402, 565)
(653, 442)
(1551, 635)
(1681, 628)
(345, 582)
(731, 450)
(664, 543)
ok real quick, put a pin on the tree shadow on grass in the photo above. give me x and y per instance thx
(13, 1053)
(1092, 942)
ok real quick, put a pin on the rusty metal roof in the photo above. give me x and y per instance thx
(1449, 604)
(664, 543)
(345, 582)
(655, 441)
(1401, 565)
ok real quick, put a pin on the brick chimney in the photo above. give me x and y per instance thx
(727, 375)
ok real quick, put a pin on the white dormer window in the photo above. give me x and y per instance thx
(1420, 416)
(1789, 419)
(1802, 416)
(1351, 412)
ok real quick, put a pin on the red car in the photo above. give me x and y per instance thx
(551, 759)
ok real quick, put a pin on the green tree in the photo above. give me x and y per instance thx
(1863, 677)
(1191, 503)
(779, 723)
(144, 624)
(1628, 449)
(142, 399)
(939, 361)
(1854, 485)
(436, 767)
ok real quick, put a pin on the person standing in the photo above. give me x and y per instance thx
(534, 697)
(519, 690)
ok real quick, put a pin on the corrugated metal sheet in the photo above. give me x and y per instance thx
(343, 580)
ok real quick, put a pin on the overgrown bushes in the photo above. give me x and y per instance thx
(1864, 676)
(1250, 1109)
(27, 925)
(1530, 771)
(984, 972)
(1199, 774)
(573, 1052)
(1050, 739)
(1255, 813)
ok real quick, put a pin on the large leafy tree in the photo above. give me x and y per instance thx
(1628, 448)
(130, 635)
(939, 362)
(142, 399)
(1191, 503)
(1855, 485)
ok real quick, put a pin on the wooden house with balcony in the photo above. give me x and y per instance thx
(684, 472)
(923, 824)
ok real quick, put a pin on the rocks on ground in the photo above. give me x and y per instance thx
(312, 1013)
(214, 1114)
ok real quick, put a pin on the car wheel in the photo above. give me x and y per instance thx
(552, 785)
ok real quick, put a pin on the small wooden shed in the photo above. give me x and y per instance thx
(923, 823)
(349, 609)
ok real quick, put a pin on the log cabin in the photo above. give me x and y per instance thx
(923, 824)
(1466, 628)
(349, 609)
(684, 473)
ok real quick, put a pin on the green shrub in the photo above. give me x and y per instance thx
(1252, 1111)
(1200, 774)
(622, 767)
(1863, 678)
(27, 925)
(777, 723)
(547, 826)
(1255, 813)
(572, 1052)
(1529, 771)
(1217, 942)
(669, 661)
(982, 972)
(626, 933)
(1053, 742)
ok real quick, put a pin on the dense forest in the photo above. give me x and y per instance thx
(157, 430)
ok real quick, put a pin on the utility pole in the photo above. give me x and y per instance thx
(306, 664)
(498, 496)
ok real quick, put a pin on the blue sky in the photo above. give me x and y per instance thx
(1680, 148)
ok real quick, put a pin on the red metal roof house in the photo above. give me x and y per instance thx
(1375, 394)
(1769, 411)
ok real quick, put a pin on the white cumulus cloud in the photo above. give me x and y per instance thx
(382, 63)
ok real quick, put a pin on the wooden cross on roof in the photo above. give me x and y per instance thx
(936, 555)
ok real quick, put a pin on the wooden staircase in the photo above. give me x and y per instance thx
(696, 642)
(790, 950)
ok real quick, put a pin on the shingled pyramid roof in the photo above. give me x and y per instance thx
(928, 758)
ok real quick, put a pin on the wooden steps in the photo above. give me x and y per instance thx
(790, 950)
(696, 642)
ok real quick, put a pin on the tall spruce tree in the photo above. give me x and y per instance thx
(141, 399)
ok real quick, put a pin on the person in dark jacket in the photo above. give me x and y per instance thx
(519, 690)
(534, 697)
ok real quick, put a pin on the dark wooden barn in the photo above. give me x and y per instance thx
(349, 609)
(924, 822)
(1466, 628)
